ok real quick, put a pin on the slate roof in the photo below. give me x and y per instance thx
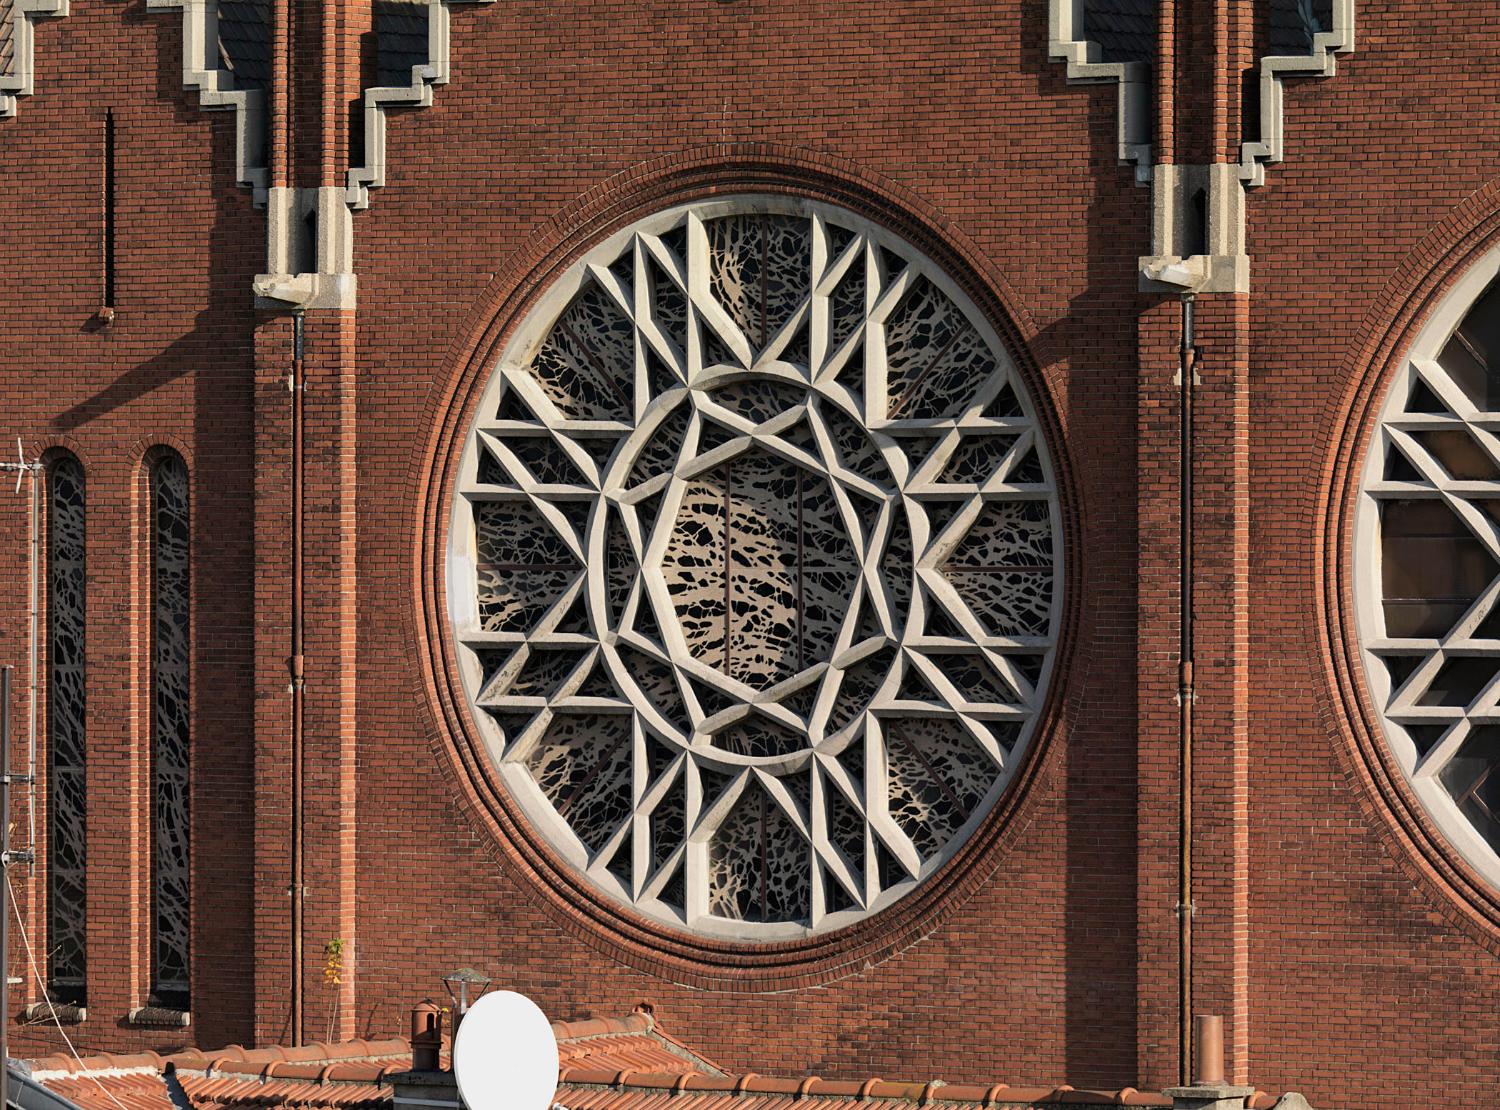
(7, 24)
(400, 40)
(606, 1064)
(1124, 29)
(245, 41)
(1294, 22)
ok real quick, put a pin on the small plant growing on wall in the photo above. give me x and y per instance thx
(333, 976)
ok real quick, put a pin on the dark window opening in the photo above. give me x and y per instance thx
(171, 880)
(67, 786)
(1432, 568)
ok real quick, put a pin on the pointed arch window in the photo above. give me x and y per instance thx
(67, 751)
(171, 885)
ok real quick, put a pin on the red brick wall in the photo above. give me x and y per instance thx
(1346, 963)
(175, 368)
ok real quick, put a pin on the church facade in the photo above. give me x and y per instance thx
(916, 539)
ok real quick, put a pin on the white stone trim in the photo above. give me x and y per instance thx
(418, 94)
(1082, 56)
(216, 91)
(18, 82)
(1321, 62)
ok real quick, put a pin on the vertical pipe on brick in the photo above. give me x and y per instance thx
(297, 668)
(1187, 359)
(5, 879)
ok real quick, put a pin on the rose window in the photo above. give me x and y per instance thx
(1428, 570)
(755, 567)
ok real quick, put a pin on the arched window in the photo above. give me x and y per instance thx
(171, 885)
(67, 749)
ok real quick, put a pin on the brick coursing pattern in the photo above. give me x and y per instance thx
(1049, 951)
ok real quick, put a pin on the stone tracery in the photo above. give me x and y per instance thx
(1429, 575)
(755, 567)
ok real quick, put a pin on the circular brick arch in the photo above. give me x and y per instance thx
(629, 936)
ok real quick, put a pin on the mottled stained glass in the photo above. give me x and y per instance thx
(171, 879)
(67, 594)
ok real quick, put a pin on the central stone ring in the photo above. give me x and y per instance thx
(750, 568)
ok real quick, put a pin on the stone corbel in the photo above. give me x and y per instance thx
(1197, 231)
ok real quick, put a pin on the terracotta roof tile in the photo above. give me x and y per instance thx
(607, 1064)
(139, 1091)
(205, 1092)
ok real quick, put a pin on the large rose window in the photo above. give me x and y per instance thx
(755, 567)
(1428, 568)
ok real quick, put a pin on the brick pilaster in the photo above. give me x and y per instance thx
(1221, 727)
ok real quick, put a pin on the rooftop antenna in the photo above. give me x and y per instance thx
(505, 1055)
(32, 470)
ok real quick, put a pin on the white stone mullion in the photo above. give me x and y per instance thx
(1431, 373)
(985, 739)
(779, 342)
(1018, 450)
(1403, 700)
(1478, 522)
(828, 858)
(873, 340)
(924, 476)
(521, 746)
(865, 506)
(658, 879)
(877, 810)
(710, 313)
(640, 822)
(1438, 756)
(940, 547)
(598, 867)
(665, 260)
(1013, 675)
(627, 300)
(819, 330)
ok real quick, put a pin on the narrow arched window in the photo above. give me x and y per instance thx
(67, 750)
(171, 885)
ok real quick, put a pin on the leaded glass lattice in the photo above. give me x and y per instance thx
(755, 567)
(1427, 563)
(171, 884)
(67, 795)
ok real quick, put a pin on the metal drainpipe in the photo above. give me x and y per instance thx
(296, 385)
(1186, 694)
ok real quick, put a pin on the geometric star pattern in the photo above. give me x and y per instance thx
(1432, 626)
(755, 567)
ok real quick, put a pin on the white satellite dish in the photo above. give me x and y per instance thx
(505, 1056)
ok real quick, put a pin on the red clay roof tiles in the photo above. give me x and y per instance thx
(606, 1064)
